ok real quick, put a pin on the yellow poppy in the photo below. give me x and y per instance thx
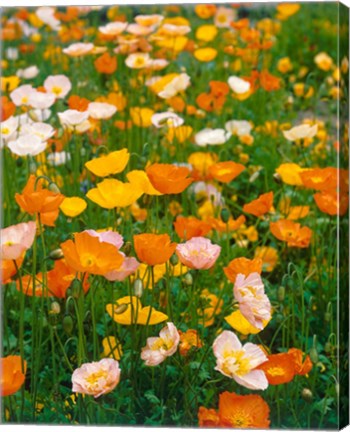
(141, 181)
(290, 173)
(135, 313)
(9, 83)
(113, 163)
(111, 348)
(239, 323)
(111, 193)
(181, 133)
(141, 116)
(73, 206)
(205, 54)
(206, 33)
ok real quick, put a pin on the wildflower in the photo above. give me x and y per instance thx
(29, 72)
(159, 348)
(153, 249)
(205, 11)
(178, 84)
(60, 278)
(286, 10)
(198, 253)
(290, 173)
(205, 54)
(39, 201)
(279, 369)
(41, 100)
(269, 257)
(113, 163)
(211, 137)
(300, 132)
(212, 306)
(149, 20)
(140, 179)
(112, 348)
(74, 120)
(188, 227)
(113, 29)
(141, 116)
(180, 133)
(20, 96)
(239, 127)
(111, 193)
(59, 85)
(201, 162)
(16, 239)
(128, 267)
(332, 203)
(106, 64)
(12, 374)
(323, 61)
(134, 312)
(206, 33)
(240, 362)
(260, 206)
(238, 85)
(243, 266)
(101, 110)
(168, 178)
(223, 17)
(323, 179)
(96, 378)
(169, 119)
(89, 254)
(253, 302)
(27, 144)
(73, 206)
(225, 172)
(137, 60)
(46, 14)
(291, 232)
(189, 340)
(284, 65)
(8, 268)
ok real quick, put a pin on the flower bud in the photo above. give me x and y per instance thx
(277, 178)
(307, 395)
(120, 309)
(32, 167)
(76, 288)
(225, 215)
(188, 279)
(68, 324)
(55, 308)
(281, 293)
(138, 287)
(314, 355)
(174, 259)
(56, 254)
(54, 188)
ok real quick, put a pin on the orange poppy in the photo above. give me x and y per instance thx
(268, 81)
(8, 269)
(219, 88)
(32, 285)
(188, 227)
(177, 103)
(332, 203)
(208, 417)
(244, 266)
(12, 375)
(87, 254)
(78, 103)
(168, 178)
(7, 108)
(208, 102)
(188, 340)
(232, 224)
(301, 367)
(40, 201)
(279, 369)
(322, 179)
(60, 278)
(226, 171)
(260, 206)
(106, 64)
(154, 249)
(291, 232)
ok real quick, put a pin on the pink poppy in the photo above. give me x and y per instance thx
(128, 267)
(16, 239)
(198, 253)
(159, 348)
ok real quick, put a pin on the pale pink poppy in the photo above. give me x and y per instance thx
(59, 85)
(253, 302)
(159, 348)
(101, 110)
(16, 239)
(175, 30)
(224, 16)
(198, 253)
(78, 49)
(113, 28)
(110, 237)
(96, 378)
(20, 96)
(140, 30)
(149, 20)
(240, 362)
(128, 267)
(157, 64)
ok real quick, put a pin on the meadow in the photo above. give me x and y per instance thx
(175, 215)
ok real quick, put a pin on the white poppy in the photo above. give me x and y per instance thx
(101, 110)
(20, 96)
(137, 60)
(211, 137)
(59, 85)
(238, 85)
(41, 100)
(46, 14)
(167, 118)
(58, 158)
(72, 118)
(113, 28)
(28, 73)
(8, 128)
(43, 130)
(300, 132)
(26, 145)
(78, 49)
(178, 84)
(239, 127)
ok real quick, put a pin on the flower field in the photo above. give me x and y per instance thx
(174, 233)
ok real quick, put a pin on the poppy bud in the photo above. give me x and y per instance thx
(281, 292)
(337, 388)
(32, 167)
(138, 287)
(328, 314)
(174, 259)
(52, 318)
(76, 288)
(55, 308)
(307, 395)
(127, 248)
(225, 215)
(313, 355)
(120, 309)
(56, 254)
(188, 279)
(54, 188)
(68, 324)
(145, 150)
(277, 178)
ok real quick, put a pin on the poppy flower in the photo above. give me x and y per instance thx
(134, 312)
(40, 201)
(111, 348)
(198, 253)
(101, 110)
(106, 64)
(332, 203)
(208, 417)
(243, 411)
(7, 108)
(239, 323)
(73, 206)
(207, 54)
(321, 179)
(180, 133)
(260, 206)
(209, 136)
(16, 239)
(96, 378)
(12, 374)
(78, 103)
(302, 367)
(300, 132)
(8, 268)
(157, 349)
(226, 171)
(222, 227)
(188, 227)
(168, 178)
(268, 255)
(205, 11)
(240, 362)
(112, 163)
(88, 254)
(279, 368)
(60, 278)
(59, 85)
(244, 266)
(112, 193)
(154, 249)
(201, 162)
(206, 33)
(291, 232)
(188, 340)
(290, 173)
(141, 116)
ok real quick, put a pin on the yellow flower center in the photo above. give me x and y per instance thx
(56, 90)
(139, 61)
(92, 380)
(276, 371)
(5, 131)
(166, 344)
(240, 419)
(240, 366)
(24, 100)
(221, 18)
(87, 260)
